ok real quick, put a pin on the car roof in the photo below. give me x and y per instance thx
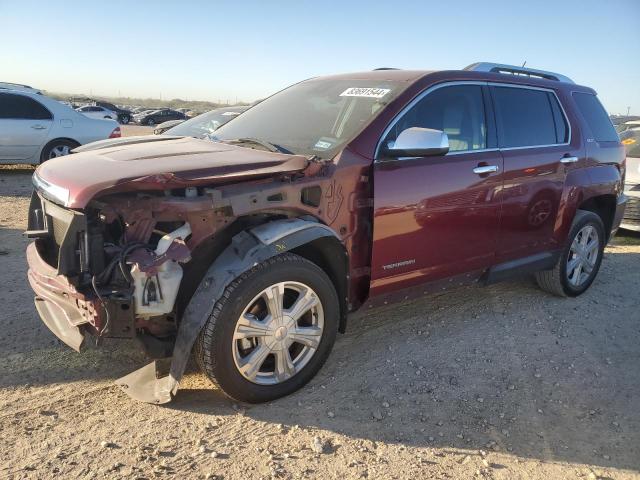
(412, 76)
(381, 74)
(18, 87)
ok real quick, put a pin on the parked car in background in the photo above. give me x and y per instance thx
(164, 126)
(201, 125)
(619, 121)
(158, 116)
(124, 116)
(250, 247)
(35, 128)
(95, 111)
(630, 125)
(631, 140)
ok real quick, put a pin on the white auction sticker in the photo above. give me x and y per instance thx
(365, 92)
(322, 145)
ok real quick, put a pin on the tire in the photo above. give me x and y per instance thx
(125, 120)
(150, 123)
(559, 281)
(57, 148)
(219, 353)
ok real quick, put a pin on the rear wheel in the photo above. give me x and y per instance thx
(57, 148)
(580, 260)
(271, 331)
(151, 122)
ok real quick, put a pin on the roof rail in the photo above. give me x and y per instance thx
(514, 70)
(385, 68)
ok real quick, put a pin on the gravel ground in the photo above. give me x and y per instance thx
(503, 382)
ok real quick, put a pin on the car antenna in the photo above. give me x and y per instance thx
(525, 62)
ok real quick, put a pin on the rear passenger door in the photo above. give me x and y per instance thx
(534, 139)
(24, 127)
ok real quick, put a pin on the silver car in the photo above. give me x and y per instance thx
(631, 139)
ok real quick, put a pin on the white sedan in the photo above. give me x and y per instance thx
(35, 128)
(95, 111)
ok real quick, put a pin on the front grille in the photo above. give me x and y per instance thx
(60, 227)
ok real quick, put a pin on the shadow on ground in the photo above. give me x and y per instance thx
(506, 368)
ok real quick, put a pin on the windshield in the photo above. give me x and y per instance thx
(315, 117)
(206, 123)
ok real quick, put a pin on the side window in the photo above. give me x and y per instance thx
(457, 110)
(526, 118)
(596, 117)
(22, 108)
(560, 121)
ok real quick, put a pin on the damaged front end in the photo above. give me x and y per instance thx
(150, 265)
(94, 274)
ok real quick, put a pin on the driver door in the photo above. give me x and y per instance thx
(438, 216)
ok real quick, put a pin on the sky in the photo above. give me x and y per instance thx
(246, 50)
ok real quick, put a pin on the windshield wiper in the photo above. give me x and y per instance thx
(272, 147)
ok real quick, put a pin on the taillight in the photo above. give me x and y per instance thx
(116, 133)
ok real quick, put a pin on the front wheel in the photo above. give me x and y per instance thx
(580, 260)
(271, 331)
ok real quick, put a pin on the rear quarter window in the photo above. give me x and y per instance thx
(596, 117)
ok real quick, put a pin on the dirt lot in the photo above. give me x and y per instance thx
(503, 382)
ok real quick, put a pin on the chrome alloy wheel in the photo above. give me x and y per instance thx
(278, 333)
(583, 255)
(59, 151)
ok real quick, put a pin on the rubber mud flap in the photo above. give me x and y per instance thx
(247, 249)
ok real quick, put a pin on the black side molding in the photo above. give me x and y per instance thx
(521, 266)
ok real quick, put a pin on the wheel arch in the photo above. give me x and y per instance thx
(331, 256)
(57, 139)
(604, 206)
(246, 249)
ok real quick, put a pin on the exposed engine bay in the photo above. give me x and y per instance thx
(126, 254)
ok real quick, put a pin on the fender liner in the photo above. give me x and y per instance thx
(153, 383)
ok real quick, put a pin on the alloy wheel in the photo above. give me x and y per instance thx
(59, 151)
(278, 333)
(583, 255)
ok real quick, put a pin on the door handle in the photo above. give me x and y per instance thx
(568, 159)
(485, 169)
(38, 127)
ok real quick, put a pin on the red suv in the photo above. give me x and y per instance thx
(250, 247)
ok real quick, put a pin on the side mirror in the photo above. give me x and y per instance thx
(419, 142)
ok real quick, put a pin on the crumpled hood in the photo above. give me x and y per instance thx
(173, 162)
